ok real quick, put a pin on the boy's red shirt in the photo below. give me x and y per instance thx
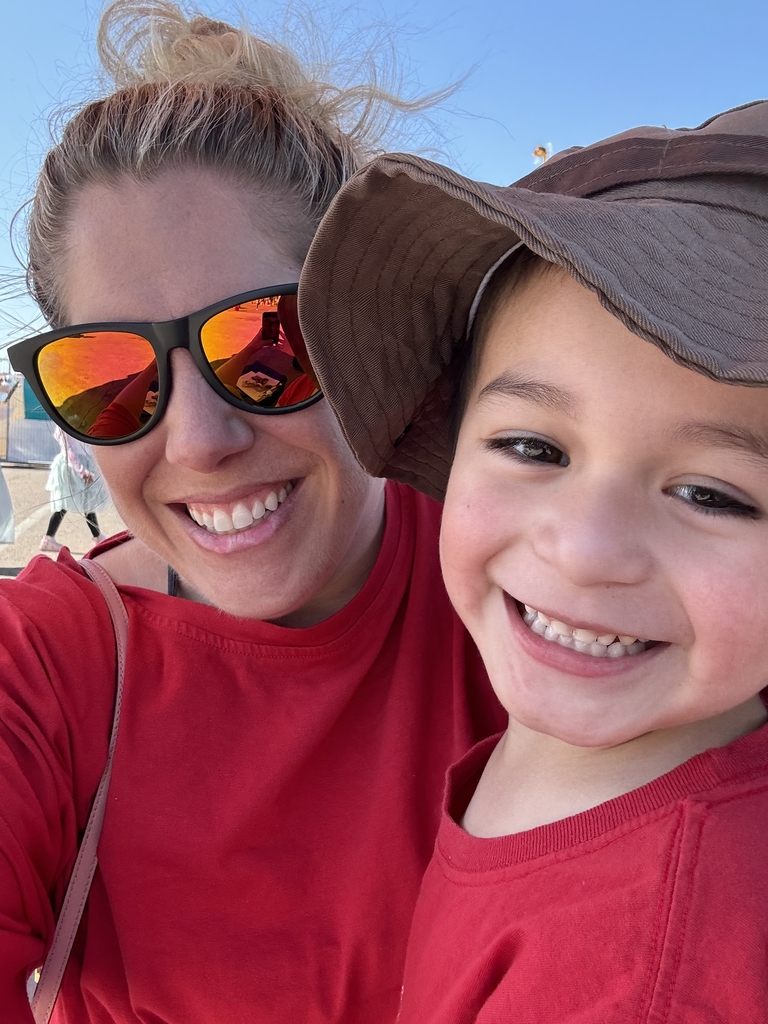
(649, 909)
(274, 800)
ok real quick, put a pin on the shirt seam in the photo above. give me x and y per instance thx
(476, 878)
(681, 918)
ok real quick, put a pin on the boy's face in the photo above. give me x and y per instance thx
(617, 493)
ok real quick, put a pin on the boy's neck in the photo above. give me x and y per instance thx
(532, 779)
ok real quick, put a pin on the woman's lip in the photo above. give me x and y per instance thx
(565, 659)
(231, 543)
(232, 497)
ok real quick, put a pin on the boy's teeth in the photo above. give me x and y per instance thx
(585, 641)
(241, 517)
(586, 636)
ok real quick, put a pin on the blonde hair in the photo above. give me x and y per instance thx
(191, 90)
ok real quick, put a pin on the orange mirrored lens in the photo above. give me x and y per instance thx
(257, 352)
(103, 384)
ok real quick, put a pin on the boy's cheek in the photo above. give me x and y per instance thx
(468, 546)
(461, 554)
(482, 524)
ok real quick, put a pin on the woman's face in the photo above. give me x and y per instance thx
(160, 250)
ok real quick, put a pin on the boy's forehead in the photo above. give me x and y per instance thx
(541, 309)
(551, 343)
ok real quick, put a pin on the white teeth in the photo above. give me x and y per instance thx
(241, 517)
(585, 635)
(585, 641)
(560, 628)
(221, 521)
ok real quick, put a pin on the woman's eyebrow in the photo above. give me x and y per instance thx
(509, 385)
(732, 436)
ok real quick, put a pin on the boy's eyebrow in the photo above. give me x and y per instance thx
(725, 435)
(509, 385)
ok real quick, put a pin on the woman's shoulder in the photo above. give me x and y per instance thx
(57, 667)
(51, 605)
(132, 564)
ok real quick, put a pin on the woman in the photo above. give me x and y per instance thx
(290, 704)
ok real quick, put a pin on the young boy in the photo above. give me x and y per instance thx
(605, 540)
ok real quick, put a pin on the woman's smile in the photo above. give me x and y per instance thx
(233, 516)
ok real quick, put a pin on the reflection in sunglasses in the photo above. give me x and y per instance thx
(261, 363)
(105, 383)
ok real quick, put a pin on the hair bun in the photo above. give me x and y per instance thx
(156, 43)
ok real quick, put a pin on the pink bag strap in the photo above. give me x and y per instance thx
(52, 973)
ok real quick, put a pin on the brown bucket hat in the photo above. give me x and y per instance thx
(668, 227)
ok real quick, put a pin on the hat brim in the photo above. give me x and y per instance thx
(390, 279)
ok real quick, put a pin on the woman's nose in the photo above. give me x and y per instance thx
(595, 535)
(201, 429)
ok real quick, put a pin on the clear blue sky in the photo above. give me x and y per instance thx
(556, 72)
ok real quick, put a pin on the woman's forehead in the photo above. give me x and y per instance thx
(164, 248)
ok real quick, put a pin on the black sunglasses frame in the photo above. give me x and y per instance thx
(164, 337)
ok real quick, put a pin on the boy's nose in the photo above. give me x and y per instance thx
(201, 429)
(595, 536)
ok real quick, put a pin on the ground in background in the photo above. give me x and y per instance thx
(32, 512)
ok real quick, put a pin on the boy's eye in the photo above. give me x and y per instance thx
(709, 499)
(529, 449)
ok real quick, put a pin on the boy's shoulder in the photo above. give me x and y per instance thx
(659, 907)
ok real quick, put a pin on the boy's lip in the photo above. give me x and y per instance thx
(593, 627)
(565, 659)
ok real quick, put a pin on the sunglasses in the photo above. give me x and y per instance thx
(110, 383)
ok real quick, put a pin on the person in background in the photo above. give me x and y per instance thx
(296, 682)
(7, 530)
(75, 485)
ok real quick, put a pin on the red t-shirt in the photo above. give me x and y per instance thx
(274, 800)
(649, 909)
